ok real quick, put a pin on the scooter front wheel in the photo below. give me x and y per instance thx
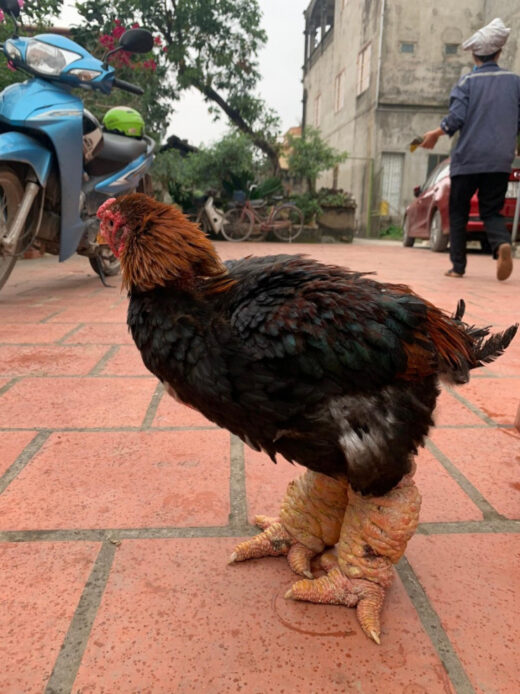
(11, 193)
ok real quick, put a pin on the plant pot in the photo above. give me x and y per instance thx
(338, 222)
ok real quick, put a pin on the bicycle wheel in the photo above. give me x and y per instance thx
(287, 222)
(237, 224)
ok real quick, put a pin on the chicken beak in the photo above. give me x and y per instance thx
(100, 238)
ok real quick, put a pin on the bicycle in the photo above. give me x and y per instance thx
(285, 220)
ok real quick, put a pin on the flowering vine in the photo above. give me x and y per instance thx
(109, 41)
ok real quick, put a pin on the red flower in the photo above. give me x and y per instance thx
(118, 31)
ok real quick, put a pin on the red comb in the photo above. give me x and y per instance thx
(102, 208)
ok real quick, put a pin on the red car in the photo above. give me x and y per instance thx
(427, 217)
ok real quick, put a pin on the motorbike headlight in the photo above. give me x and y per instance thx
(12, 51)
(84, 75)
(47, 59)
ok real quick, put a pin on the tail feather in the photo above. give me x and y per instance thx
(485, 348)
(488, 350)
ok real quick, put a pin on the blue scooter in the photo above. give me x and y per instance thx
(57, 164)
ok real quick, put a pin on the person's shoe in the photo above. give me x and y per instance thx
(504, 261)
(452, 273)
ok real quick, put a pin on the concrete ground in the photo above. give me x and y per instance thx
(119, 509)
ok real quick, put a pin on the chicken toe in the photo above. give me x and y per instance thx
(310, 520)
(337, 589)
(374, 535)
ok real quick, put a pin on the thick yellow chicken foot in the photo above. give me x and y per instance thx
(374, 536)
(310, 520)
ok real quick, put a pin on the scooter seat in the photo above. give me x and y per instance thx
(116, 151)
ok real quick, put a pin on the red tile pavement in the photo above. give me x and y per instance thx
(442, 498)
(171, 413)
(35, 333)
(100, 334)
(92, 312)
(175, 618)
(49, 360)
(497, 400)
(118, 480)
(77, 403)
(451, 412)
(490, 459)
(40, 585)
(126, 361)
(473, 582)
(134, 465)
(12, 444)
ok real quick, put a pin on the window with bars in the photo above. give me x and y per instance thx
(363, 69)
(339, 91)
(451, 48)
(407, 47)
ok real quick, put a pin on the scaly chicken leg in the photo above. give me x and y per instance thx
(310, 520)
(374, 536)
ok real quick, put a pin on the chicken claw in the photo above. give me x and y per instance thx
(275, 541)
(310, 520)
(337, 589)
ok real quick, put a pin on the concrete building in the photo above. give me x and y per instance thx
(378, 73)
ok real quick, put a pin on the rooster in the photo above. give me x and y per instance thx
(319, 364)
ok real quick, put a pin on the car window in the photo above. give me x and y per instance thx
(429, 181)
(439, 172)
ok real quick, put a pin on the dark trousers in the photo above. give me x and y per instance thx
(492, 189)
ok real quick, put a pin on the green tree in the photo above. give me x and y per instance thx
(310, 155)
(228, 165)
(210, 45)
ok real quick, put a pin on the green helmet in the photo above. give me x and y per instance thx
(124, 120)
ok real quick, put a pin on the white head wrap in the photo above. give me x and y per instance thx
(489, 39)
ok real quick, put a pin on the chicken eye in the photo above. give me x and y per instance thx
(110, 223)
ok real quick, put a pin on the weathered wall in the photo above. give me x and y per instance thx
(509, 12)
(426, 76)
(408, 93)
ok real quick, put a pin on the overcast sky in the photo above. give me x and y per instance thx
(280, 66)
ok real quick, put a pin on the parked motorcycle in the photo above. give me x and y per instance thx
(57, 162)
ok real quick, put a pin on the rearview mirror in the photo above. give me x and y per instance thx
(417, 191)
(136, 41)
(10, 7)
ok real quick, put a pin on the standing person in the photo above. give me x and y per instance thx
(485, 109)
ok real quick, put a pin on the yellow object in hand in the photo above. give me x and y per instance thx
(415, 143)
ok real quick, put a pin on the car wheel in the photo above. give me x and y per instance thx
(438, 240)
(408, 240)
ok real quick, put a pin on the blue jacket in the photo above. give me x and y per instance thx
(485, 107)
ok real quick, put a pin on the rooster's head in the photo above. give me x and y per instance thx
(156, 243)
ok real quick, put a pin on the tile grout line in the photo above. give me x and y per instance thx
(432, 625)
(75, 642)
(116, 534)
(230, 530)
(86, 430)
(98, 368)
(51, 315)
(23, 459)
(471, 407)
(488, 511)
(7, 387)
(68, 334)
(237, 487)
(151, 410)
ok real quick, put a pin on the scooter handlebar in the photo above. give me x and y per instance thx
(128, 86)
